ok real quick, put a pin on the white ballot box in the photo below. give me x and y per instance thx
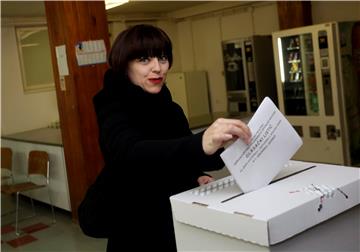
(303, 195)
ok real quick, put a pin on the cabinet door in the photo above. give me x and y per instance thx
(197, 93)
(310, 91)
(177, 86)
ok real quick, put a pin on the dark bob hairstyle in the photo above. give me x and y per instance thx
(136, 42)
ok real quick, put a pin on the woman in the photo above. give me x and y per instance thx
(145, 137)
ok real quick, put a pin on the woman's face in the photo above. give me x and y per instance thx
(149, 73)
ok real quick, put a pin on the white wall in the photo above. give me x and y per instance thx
(114, 29)
(186, 46)
(208, 57)
(170, 28)
(327, 11)
(265, 19)
(238, 25)
(20, 111)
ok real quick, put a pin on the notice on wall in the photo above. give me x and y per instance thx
(274, 142)
(90, 52)
(61, 60)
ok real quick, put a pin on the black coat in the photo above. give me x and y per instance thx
(150, 154)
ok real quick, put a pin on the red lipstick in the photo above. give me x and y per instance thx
(156, 80)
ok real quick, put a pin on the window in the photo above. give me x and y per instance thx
(35, 58)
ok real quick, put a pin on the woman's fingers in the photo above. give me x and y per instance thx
(223, 131)
(237, 128)
(202, 180)
(240, 131)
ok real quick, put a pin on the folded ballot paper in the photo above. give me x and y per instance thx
(274, 142)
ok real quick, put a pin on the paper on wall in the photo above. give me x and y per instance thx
(61, 60)
(90, 52)
(274, 142)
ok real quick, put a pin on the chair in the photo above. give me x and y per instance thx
(38, 170)
(6, 164)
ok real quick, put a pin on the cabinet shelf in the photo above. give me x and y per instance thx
(293, 48)
(294, 61)
(295, 98)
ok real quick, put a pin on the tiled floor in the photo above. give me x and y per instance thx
(39, 233)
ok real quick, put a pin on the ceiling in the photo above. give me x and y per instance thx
(37, 9)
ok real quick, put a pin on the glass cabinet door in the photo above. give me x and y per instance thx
(233, 56)
(233, 65)
(298, 75)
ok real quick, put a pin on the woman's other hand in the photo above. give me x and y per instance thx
(222, 131)
(202, 180)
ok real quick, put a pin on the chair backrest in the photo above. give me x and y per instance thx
(6, 158)
(38, 163)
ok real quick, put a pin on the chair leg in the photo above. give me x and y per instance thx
(17, 215)
(52, 207)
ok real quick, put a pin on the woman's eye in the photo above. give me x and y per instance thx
(144, 60)
(163, 59)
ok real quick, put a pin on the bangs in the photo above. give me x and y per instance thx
(149, 45)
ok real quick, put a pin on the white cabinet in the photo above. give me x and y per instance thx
(190, 91)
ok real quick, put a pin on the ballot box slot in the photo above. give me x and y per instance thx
(274, 181)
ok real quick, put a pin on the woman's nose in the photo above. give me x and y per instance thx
(155, 65)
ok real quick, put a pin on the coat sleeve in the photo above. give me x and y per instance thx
(121, 143)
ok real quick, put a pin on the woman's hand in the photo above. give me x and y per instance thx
(202, 180)
(222, 131)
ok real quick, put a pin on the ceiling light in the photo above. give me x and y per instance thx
(114, 3)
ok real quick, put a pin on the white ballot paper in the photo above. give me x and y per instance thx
(274, 141)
